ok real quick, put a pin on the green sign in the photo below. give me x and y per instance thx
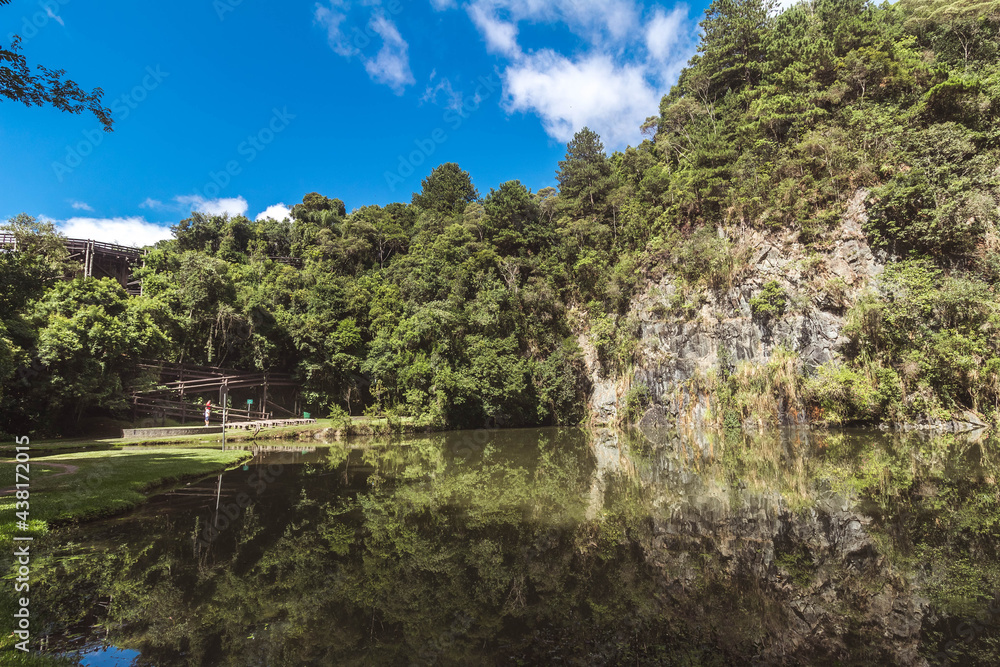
(249, 401)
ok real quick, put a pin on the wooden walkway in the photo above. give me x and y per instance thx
(267, 423)
(180, 431)
(100, 260)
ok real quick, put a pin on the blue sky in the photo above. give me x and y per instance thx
(242, 106)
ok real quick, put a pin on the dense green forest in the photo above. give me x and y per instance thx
(464, 307)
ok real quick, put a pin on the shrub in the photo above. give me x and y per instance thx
(339, 416)
(636, 400)
(843, 394)
(706, 258)
(770, 302)
(926, 338)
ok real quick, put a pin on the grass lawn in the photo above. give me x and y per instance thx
(87, 485)
(359, 426)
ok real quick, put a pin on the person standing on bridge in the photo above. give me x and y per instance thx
(208, 411)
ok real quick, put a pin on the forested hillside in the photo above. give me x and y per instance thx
(464, 307)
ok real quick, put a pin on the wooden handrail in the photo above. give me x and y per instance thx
(193, 410)
(8, 239)
(210, 371)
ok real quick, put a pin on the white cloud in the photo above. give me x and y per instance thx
(500, 36)
(276, 212)
(630, 54)
(332, 19)
(617, 19)
(597, 20)
(453, 99)
(594, 91)
(81, 206)
(52, 15)
(663, 32)
(231, 206)
(391, 65)
(152, 203)
(441, 5)
(131, 231)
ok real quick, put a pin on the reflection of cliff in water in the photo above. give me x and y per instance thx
(815, 534)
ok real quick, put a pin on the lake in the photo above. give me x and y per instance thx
(549, 546)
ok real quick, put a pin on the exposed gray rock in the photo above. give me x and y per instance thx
(673, 348)
(603, 402)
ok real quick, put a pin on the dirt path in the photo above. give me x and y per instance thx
(66, 468)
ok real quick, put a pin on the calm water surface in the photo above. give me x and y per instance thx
(553, 546)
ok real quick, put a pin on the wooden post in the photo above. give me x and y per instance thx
(224, 399)
(184, 405)
(218, 496)
(263, 400)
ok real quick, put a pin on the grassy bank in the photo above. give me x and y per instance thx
(323, 428)
(88, 485)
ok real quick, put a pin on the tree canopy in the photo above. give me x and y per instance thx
(45, 86)
(460, 310)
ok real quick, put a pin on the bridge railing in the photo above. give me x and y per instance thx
(75, 245)
(182, 409)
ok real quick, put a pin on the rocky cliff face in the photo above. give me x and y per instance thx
(674, 348)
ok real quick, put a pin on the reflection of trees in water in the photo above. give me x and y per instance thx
(616, 549)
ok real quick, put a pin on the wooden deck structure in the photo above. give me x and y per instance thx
(99, 260)
(109, 260)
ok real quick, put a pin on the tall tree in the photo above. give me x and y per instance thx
(512, 216)
(385, 229)
(90, 336)
(447, 190)
(585, 174)
(732, 49)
